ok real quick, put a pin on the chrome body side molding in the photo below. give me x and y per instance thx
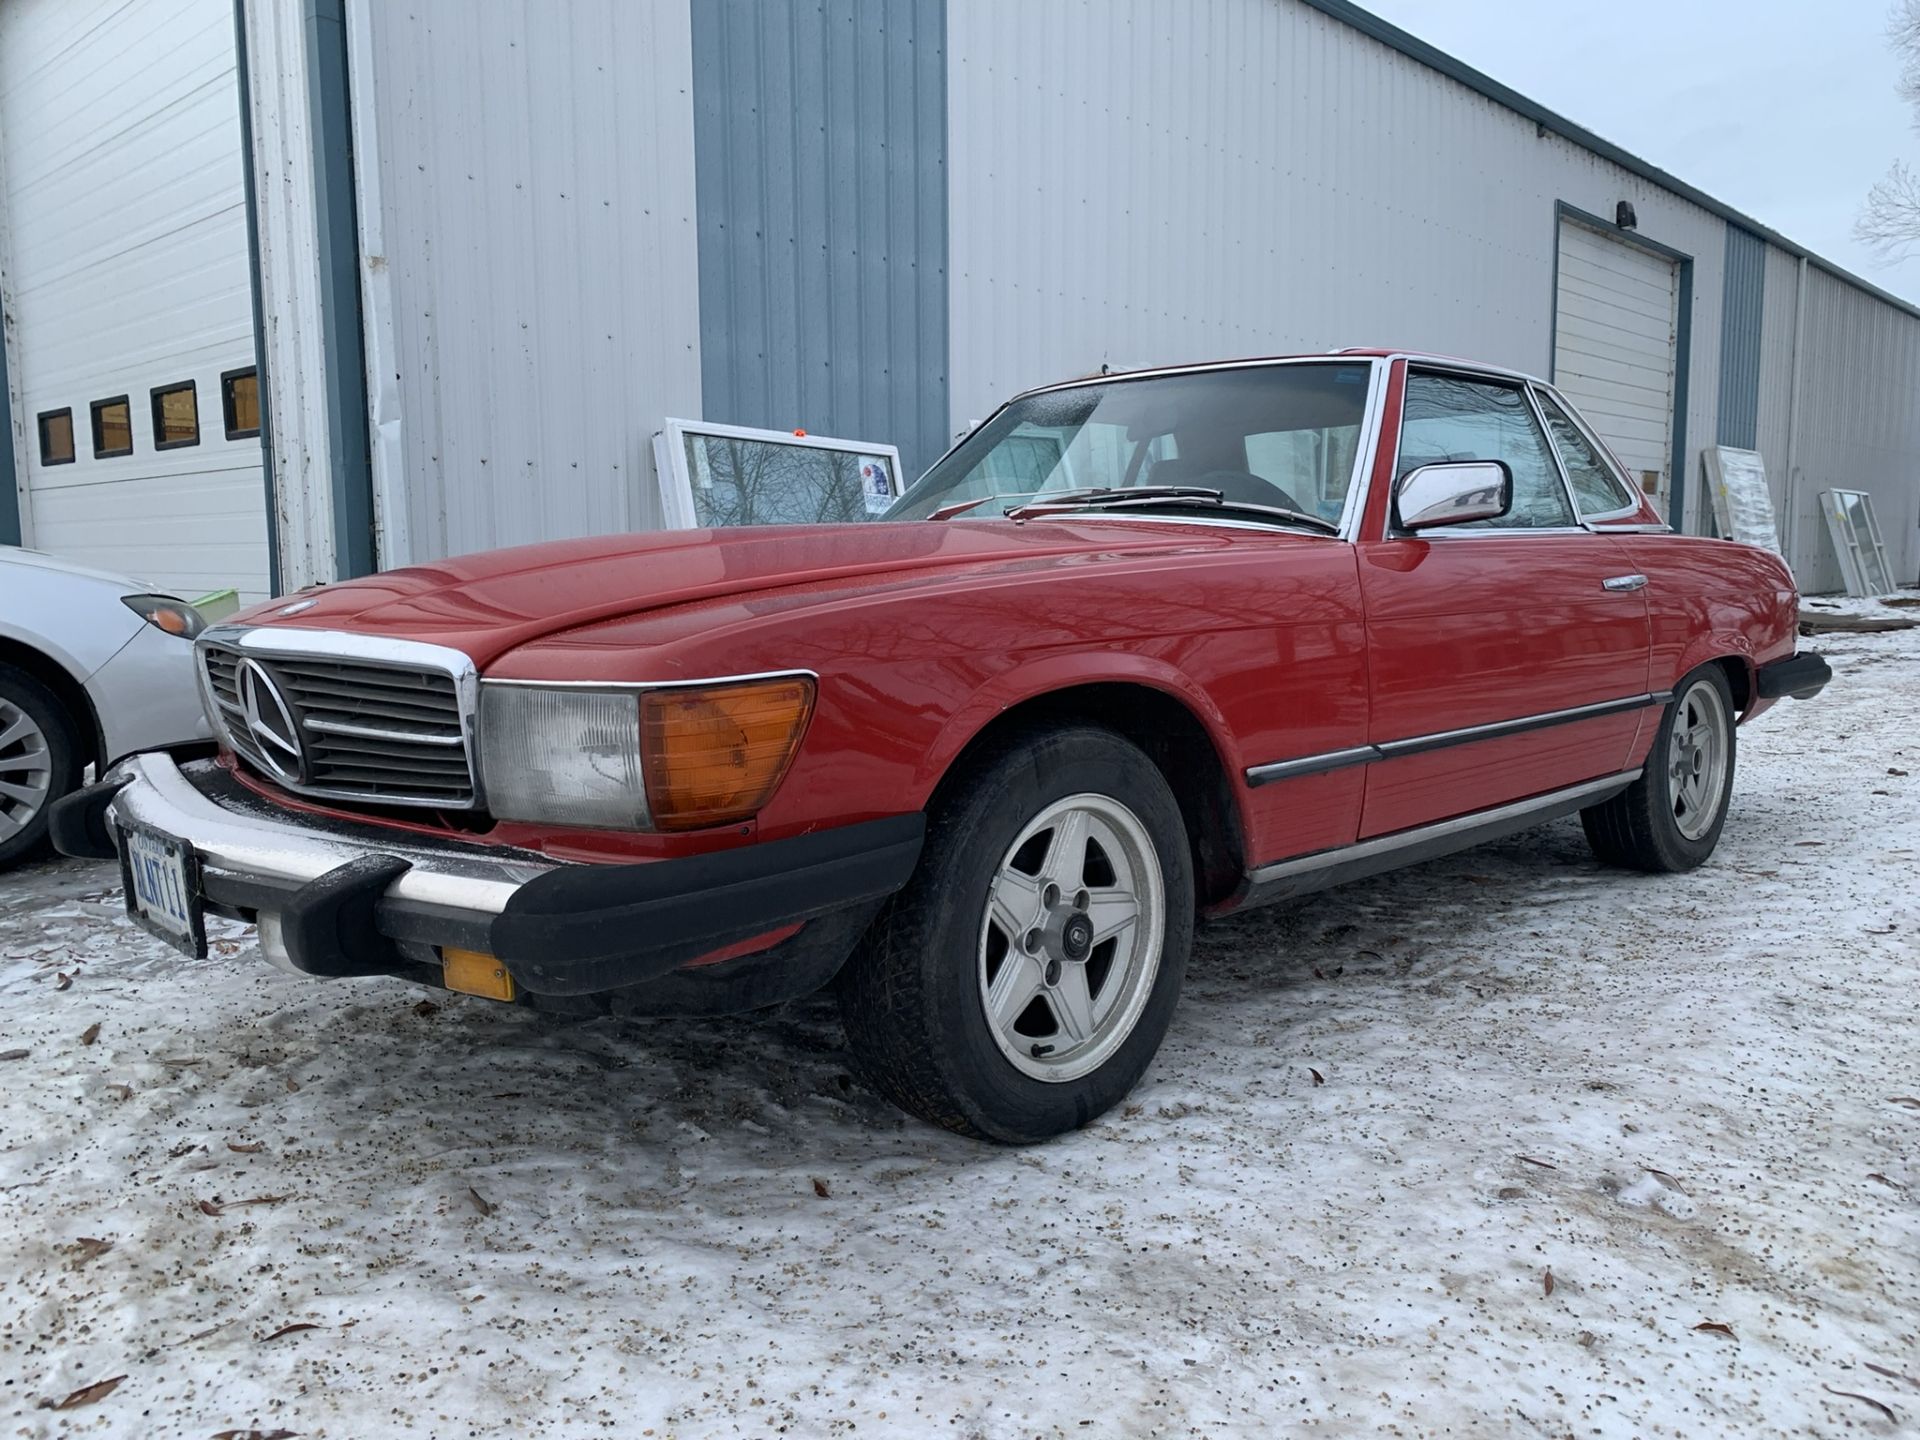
(1286, 878)
(1258, 775)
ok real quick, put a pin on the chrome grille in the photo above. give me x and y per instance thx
(374, 730)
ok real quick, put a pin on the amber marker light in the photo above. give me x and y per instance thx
(714, 754)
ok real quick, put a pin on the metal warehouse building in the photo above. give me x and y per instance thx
(494, 246)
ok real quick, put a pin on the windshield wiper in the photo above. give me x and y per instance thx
(1148, 496)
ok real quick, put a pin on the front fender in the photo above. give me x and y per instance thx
(1050, 674)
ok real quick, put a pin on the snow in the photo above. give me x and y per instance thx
(1679, 1097)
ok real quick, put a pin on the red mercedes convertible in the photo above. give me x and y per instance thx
(1140, 650)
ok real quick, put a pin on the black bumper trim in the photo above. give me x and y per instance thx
(77, 823)
(585, 928)
(1801, 676)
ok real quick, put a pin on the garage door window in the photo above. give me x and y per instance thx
(56, 437)
(176, 416)
(1596, 489)
(1448, 417)
(112, 428)
(240, 400)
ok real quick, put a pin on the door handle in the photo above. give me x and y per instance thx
(1624, 582)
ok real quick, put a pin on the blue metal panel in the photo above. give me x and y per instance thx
(1741, 313)
(820, 146)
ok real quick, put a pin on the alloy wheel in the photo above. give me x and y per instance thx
(26, 769)
(1697, 760)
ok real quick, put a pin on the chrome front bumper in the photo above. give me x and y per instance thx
(338, 898)
(256, 858)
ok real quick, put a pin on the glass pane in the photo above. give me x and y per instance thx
(1449, 418)
(112, 427)
(176, 416)
(762, 482)
(1594, 486)
(56, 437)
(1278, 435)
(243, 404)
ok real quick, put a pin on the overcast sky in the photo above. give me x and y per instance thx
(1783, 109)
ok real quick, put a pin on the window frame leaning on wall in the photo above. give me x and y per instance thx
(675, 477)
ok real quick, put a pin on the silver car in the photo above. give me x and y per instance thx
(93, 666)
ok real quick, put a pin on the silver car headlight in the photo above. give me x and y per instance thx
(566, 755)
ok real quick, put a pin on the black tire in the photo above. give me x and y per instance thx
(1640, 828)
(23, 824)
(913, 997)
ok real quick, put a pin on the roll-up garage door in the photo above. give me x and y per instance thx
(1614, 341)
(128, 308)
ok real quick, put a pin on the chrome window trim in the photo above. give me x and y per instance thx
(1275, 526)
(1619, 512)
(293, 642)
(1258, 775)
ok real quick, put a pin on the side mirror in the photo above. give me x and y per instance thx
(1456, 492)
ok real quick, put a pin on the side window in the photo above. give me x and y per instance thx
(1595, 487)
(1449, 417)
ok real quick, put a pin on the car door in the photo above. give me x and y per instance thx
(1507, 658)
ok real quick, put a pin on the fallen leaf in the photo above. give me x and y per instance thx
(1880, 1405)
(90, 1034)
(85, 1395)
(62, 980)
(254, 1434)
(1665, 1179)
(1546, 1280)
(288, 1330)
(1716, 1327)
(508, 1095)
(207, 1207)
(479, 1201)
(1890, 1184)
(259, 1200)
(1892, 771)
(181, 1062)
(14, 1054)
(119, 1091)
(1906, 1100)
(86, 1248)
(1541, 1163)
(185, 1147)
(252, 1147)
(292, 1084)
(426, 1008)
(1318, 1078)
(820, 1188)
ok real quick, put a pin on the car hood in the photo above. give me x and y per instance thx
(40, 560)
(489, 603)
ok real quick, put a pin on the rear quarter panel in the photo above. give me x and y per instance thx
(1708, 599)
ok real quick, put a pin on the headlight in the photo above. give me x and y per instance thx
(163, 612)
(568, 756)
(674, 758)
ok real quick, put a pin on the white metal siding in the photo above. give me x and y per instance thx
(537, 303)
(1614, 337)
(1135, 181)
(125, 269)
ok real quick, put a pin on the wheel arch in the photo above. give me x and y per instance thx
(1180, 733)
(67, 689)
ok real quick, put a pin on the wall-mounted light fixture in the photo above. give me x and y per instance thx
(1624, 217)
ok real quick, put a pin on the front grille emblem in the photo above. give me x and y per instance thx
(269, 720)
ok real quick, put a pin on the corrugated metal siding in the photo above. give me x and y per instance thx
(1742, 307)
(1774, 387)
(820, 131)
(126, 269)
(1858, 425)
(1137, 181)
(536, 203)
(296, 391)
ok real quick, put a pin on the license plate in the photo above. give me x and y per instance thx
(162, 876)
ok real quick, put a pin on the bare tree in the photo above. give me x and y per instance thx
(1890, 220)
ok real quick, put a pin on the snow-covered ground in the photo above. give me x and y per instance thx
(1693, 1103)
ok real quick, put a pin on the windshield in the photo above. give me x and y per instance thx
(1283, 436)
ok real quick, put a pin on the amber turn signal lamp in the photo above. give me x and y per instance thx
(715, 753)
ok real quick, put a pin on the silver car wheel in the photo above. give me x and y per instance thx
(1070, 943)
(1697, 759)
(26, 769)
